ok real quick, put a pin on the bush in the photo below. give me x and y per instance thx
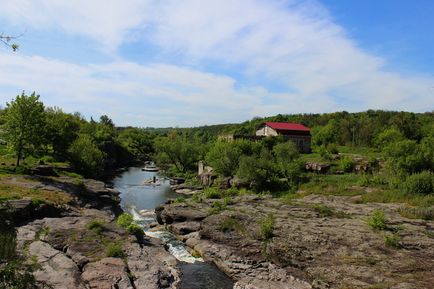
(347, 164)
(115, 250)
(421, 183)
(267, 227)
(136, 230)
(124, 220)
(377, 221)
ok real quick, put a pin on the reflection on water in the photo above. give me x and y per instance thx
(140, 200)
(135, 193)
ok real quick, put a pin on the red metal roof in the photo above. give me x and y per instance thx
(286, 126)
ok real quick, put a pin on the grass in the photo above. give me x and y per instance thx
(97, 226)
(341, 185)
(13, 192)
(424, 213)
(230, 224)
(397, 196)
(115, 250)
(377, 221)
(217, 207)
(325, 211)
(392, 241)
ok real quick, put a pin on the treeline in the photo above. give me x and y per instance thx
(342, 128)
(404, 140)
(92, 147)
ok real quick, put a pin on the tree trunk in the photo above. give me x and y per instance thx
(18, 157)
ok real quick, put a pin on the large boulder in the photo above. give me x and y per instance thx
(107, 273)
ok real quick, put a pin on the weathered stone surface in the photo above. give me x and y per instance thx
(309, 249)
(44, 170)
(185, 227)
(178, 213)
(107, 273)
(56, 269)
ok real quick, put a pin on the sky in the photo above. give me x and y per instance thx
(153, 63)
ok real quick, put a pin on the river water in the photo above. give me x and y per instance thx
(140, 200)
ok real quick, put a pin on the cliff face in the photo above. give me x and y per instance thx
(313, 242)
(75, 243)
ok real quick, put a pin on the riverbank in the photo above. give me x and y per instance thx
(309, 242)
(67, 234)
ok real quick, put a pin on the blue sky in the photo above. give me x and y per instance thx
(191, 62)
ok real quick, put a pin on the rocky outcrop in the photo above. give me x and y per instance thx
(70, 253)
(307, 248)
(78, 244)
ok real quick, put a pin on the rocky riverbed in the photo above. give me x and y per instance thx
(76, 244)
(317, 242)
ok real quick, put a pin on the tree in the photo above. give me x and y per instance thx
(224, 157)
(178, 151)
(86, 156)
(62, 130)
(24, 125)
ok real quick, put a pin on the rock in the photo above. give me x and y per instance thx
(317, 167)
(44, 170)
(178, 213)
(107, 273)
(239, 183)
(188, 192)
(306, 250)
(225, 183)
(56, 269)
(185, 227)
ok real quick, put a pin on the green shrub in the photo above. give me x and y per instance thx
(136, 230)
(96, 225)
(347, 164)
(180, 199)
(392, 240)
(232, 191)
(115, 250)
(212, 193)
(421, 183)
(124, 220)
(377, 221)
(266, 226)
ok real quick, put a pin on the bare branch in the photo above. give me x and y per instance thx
(6, 40)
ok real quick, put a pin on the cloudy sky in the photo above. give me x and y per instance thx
(184, 63)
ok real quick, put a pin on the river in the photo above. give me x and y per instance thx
(140, 200)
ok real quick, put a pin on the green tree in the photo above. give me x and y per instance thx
(388, 136)
(287, 161)
(178, 151)
(137, 142)
(62, 130)
(86, 156)
(24, 125)
(224, 158)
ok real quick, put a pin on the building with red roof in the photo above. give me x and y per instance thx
(296, 132)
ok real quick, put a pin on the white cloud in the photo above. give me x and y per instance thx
(292, 44)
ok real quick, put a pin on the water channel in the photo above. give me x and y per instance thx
(140, 200)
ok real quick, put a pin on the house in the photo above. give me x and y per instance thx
(296, 132)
